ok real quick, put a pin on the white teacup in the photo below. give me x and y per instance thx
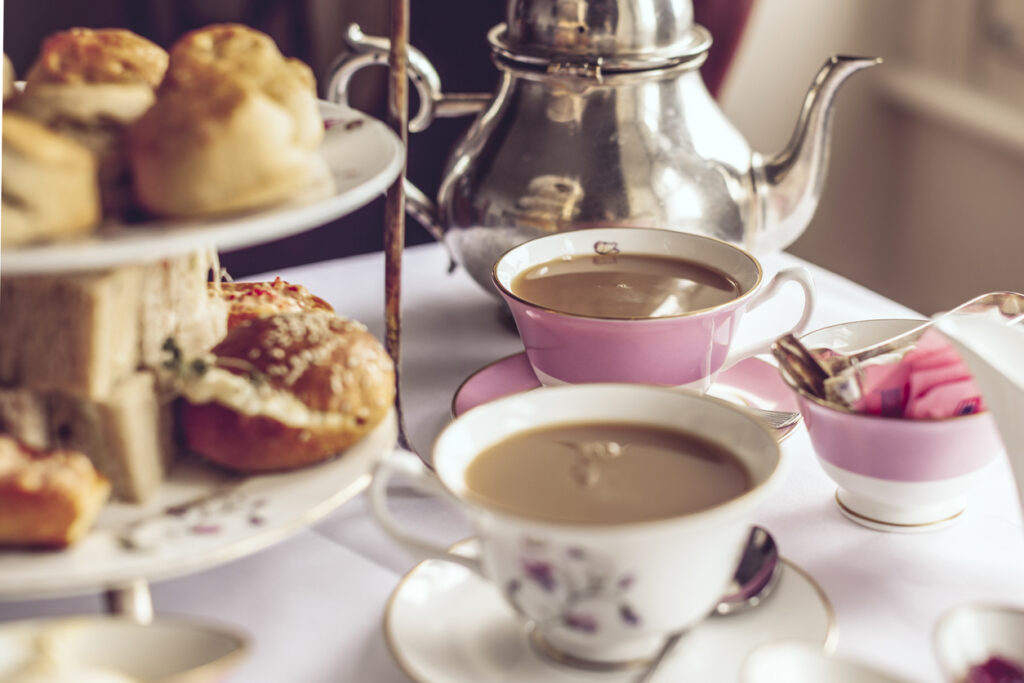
(604, 595)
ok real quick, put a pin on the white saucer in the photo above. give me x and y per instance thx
(444, 624)
(751, 382)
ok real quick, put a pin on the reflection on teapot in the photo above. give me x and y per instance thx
(601, 117)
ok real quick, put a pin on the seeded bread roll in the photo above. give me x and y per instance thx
(248, 300)
(235, 126)
(287, 391)
(49, 184)
(90, 84)
(47, 498)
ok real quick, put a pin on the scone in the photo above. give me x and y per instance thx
(241, 52)
(91, 84)
(49, 182)
(287, 391)
(235, 126)
(248, 300)
(47, 498)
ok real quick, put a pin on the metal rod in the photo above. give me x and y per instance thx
(131, 600)
(394, 213)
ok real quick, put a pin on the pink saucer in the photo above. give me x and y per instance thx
(751, 382)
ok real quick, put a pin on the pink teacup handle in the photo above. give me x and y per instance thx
(802, 277)
(409, 465)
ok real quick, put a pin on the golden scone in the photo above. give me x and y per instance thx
(287, 391)
(216, 146)
(235, 126)
(106, 55)
(247, 300)
(49, 182)
(242, 53)
(47, 498)
(91, 84)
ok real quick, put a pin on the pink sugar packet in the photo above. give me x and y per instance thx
(929, 381)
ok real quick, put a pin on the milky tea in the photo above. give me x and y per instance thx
(624, 286)
(605, 473)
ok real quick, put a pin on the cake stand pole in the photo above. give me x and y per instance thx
(394, 213)
(131, 600)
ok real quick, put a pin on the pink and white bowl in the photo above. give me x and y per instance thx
(894, 474)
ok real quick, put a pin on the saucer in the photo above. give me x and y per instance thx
(752, 382)
(444, 624)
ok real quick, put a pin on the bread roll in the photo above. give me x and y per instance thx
(91, 84)
(287, 391)
(235, 126)
(49, 182)
(248, 300)
(47, 498)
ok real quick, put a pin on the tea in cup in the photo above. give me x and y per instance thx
(636, 304)
(609, 515)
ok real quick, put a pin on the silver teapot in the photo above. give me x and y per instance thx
(601, 117)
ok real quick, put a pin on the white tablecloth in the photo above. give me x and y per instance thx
(313, 604)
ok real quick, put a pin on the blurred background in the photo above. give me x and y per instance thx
(925, 194)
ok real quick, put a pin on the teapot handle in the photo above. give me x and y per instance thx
(371, 50)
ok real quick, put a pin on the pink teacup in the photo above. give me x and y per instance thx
(683, 349)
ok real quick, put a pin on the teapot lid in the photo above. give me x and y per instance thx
(617, 35)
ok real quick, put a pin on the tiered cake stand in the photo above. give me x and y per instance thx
(201, 516)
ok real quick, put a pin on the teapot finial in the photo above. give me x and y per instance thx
(789, 183)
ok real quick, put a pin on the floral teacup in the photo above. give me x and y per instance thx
(597, 595)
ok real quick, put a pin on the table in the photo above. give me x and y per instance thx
(313, 604)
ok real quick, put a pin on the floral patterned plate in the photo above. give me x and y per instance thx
(444, 624)
(362, 154)
(200, 517)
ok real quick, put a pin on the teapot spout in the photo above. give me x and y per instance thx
(789, 184)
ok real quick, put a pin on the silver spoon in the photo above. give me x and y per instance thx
(754, 580)
(776, 419)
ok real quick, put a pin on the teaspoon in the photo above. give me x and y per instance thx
(754, 580)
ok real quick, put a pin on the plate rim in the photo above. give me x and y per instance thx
(27, 586)
(162, 238)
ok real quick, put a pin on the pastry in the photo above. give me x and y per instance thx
(235, 126)
(47, 498)
(91, 84)
(39, 165)
(287, 391)
(247, 300)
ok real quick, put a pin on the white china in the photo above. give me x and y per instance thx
(894, 474)
(169, 650)
(200, 517)
(364, 156)
(609, 594)
(444, 624)
(968, 635)
(794, 661)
